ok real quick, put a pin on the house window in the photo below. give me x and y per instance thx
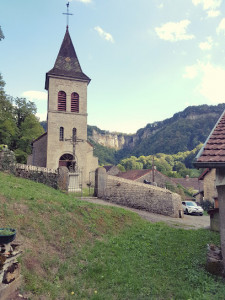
(74, 134)
(74, 102)
(61, 101)
(61, 133)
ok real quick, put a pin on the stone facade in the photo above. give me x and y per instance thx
(137, 195)
(112, 170)
(39, 152)
(60, 141)
(210, 192)
(214, 219)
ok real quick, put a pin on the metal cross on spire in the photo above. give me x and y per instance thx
(68, 14)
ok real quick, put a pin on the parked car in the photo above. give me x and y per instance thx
(191, 207)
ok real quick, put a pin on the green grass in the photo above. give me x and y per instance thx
(77, 250)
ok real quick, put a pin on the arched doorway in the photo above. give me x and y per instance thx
(66, 160)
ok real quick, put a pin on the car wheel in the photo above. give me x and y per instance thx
(186, 211)
(201, 214)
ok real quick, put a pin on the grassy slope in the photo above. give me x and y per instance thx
(77, 250)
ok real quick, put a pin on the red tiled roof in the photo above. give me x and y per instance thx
(188, 183)
(133, 174)
(212, 154)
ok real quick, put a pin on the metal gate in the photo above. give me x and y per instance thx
(75, 182)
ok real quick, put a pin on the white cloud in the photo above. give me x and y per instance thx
(35, 95)
(213, 13)
(105, 35)
(210, 6)
(211, 78)
(191, 72)
(212, 85)
(206, 45)
(174, 32)
(221, 27)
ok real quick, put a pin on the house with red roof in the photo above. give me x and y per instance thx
(212, 155)
(149, 176)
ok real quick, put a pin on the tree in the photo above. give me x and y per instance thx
(22, 109)
(7, 121)
(1, 34)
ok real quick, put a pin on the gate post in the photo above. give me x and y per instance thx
(100, 182)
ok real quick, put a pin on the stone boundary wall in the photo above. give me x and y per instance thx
(137, 195)
(38, 174)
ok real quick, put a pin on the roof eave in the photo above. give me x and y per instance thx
(209, 164)
(88, 80)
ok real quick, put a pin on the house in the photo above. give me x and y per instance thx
(112, 170)
(65, 142)
(212, 156)
(189, 183)
(208, 177)
(148, 176)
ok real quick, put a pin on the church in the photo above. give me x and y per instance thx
(65, 142)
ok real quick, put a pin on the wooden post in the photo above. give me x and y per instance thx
(220, 185)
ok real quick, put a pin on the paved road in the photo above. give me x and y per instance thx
(188, 222)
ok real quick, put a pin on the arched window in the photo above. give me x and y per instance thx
(61, 133)
(74, 102)
(61, 101)
(74, 134)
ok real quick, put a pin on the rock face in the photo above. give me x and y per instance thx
(110, 140)
(196, 120)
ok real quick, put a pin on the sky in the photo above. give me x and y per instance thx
(147, 59)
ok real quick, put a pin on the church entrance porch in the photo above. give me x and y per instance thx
(75, 175)
(66, 160)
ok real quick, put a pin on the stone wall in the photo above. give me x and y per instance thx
(210, 191)
(137, 195)
(38, 174)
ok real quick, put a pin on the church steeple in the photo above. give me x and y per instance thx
(67, 63)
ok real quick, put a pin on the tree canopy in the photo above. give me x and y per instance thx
(18, 124)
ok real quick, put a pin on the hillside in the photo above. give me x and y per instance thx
(184, 131)
(77, 250)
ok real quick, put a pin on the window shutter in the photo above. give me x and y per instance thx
(74, 102)
(62, 101)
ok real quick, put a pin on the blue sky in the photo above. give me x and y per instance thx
(147, 59)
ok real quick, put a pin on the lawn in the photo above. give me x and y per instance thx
(77, 250)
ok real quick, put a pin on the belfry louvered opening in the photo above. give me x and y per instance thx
(74, 102)
(61, 101)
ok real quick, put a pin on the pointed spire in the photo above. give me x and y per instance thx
(67, 63)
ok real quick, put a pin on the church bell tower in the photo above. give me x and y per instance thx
(67, 112)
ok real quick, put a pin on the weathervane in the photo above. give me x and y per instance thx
(68, 14)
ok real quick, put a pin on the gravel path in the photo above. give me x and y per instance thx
(188, 222)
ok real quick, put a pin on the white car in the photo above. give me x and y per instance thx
(191, 207)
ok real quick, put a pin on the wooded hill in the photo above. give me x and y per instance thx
(183, 132)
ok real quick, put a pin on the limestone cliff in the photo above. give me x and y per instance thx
(184, 131)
